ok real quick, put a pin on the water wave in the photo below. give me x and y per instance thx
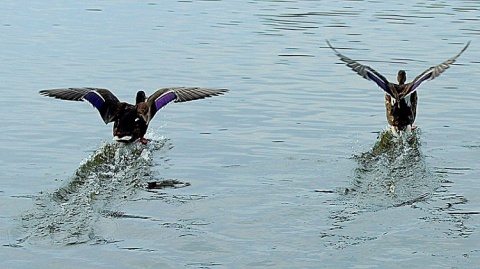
(107, 178)
(392, 173)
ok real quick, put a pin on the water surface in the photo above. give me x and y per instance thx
(290, 169)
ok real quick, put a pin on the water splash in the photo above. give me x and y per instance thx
(110, 176)
(393, 173)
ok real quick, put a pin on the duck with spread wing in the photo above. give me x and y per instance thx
(400, 99)
(130, 122)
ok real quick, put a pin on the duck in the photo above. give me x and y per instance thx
(400, 99)
(130, 122)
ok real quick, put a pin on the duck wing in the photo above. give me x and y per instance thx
(432, 72)
(102, 99)
(365, 71)
(164, 96)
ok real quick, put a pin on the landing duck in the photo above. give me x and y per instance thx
(130, 122)
(400, 99)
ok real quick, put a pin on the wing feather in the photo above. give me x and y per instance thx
(102, 99)
(164, 96)
(363, 70)
(434, 71)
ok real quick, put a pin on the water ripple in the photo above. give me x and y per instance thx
(394, 174)
(109, 177)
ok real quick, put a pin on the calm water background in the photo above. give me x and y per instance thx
(272, 164)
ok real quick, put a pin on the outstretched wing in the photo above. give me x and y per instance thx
(102, 99)
(433, 72)
(179, 94)
(363, 70)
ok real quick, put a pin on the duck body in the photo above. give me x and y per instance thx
(130, 122)
(401, 115)
(400, 99)
(128, 126)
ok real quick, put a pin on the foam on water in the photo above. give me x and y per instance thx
(392, 173)
(393, 176)
(110, 176)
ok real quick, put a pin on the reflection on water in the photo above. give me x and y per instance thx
(104, 180)
(393, 173)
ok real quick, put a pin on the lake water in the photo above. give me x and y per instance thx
(290, 169)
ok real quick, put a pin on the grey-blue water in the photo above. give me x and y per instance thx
(290, 169)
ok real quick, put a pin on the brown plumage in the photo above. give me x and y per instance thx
(131, 121)
(401, 99)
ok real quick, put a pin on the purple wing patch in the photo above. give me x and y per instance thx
(422, 79)
(377, 80)
(164, 99)
(95, 99)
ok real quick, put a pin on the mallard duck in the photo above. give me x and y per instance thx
(130, 122)
(400, 99)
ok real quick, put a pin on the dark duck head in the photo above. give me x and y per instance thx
(130, 122)
(401, 77)
(141, 97)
